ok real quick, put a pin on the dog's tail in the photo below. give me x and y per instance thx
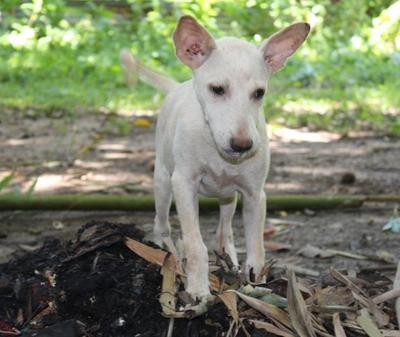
(132, 68)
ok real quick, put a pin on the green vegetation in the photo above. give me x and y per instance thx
(60, 55)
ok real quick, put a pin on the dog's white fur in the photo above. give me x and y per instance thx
(195, 130)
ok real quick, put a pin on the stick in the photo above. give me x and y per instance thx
(84, 202)
(394, 293)
(170, 327)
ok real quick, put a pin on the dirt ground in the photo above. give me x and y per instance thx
(115, 155)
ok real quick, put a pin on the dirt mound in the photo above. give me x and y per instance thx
(96, 285)
(93, 286)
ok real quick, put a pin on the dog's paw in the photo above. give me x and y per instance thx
(198, 292)
(200, 307)
(255, 272)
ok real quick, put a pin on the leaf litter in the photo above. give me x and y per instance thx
(110, 282)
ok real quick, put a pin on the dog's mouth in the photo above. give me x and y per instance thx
(234, 157)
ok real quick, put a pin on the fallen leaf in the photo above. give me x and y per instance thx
(333, 296)
(168, 288)
(367, 324)
(272, 246)
(157, 256)
(268, 310)
(337, 325)
(230, 300)
(150, 254)
(390, 333)
(269, 231)
(271, 328)
(299, 315)
(142, 122)
(382, 319)
(256, 292)
(275, 299)
(311, 251)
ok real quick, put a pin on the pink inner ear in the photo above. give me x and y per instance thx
(193, 47)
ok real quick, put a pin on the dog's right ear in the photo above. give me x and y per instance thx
(192, 42)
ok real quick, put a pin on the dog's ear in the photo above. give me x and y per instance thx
(277, 48)
(192, 42)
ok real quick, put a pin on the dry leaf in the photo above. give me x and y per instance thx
(347, 254)
(390, 333)
(157, 256)
(381, 318)
(268, 310)
(273, 246)
(298, 313)
(337, 324)
(367, 324)
(271, 328)
(311, 251)
(230, 300)
(142, 123)
(168, 288)
(333, 296)
(275, 299)
(150, 254)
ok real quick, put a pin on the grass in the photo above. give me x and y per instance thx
(72, 68)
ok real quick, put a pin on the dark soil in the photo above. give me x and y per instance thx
(95, 286)
(92, 286)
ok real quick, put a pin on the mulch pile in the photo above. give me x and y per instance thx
(96, 285)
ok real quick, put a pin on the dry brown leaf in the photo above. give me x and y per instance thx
(311, 251)
(367, 324)
(150, 254)
(337, 324)
(273, 246)
(382, 319)
(271, 328)
(157, 256)
(299, 315)
(333, 296)
(230, 300)
(168, 288)
(268, 310)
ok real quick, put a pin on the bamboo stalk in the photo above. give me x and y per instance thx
(83, 202)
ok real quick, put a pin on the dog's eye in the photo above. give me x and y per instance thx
(217, 90)
(259, 93)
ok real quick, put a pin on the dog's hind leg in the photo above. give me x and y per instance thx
(225, 242)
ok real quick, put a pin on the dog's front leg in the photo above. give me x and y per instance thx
(254, 209)
(185, 193)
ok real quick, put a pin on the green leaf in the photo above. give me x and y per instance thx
(6, 181)
(31, 188)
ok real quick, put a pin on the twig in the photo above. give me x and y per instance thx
(15, 332)
(95, 260)
(298, 270)
(394, 293)
(229, 332)
(396, 285)
(170, 327)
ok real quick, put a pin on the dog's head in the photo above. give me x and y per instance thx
(230, 79)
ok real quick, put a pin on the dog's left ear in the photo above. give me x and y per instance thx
(277, 48)
(192, 42)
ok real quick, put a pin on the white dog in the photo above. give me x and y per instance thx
(211, 140)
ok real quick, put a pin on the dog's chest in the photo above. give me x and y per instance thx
(220, 183)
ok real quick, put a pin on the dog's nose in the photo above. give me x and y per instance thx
(241, 145)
